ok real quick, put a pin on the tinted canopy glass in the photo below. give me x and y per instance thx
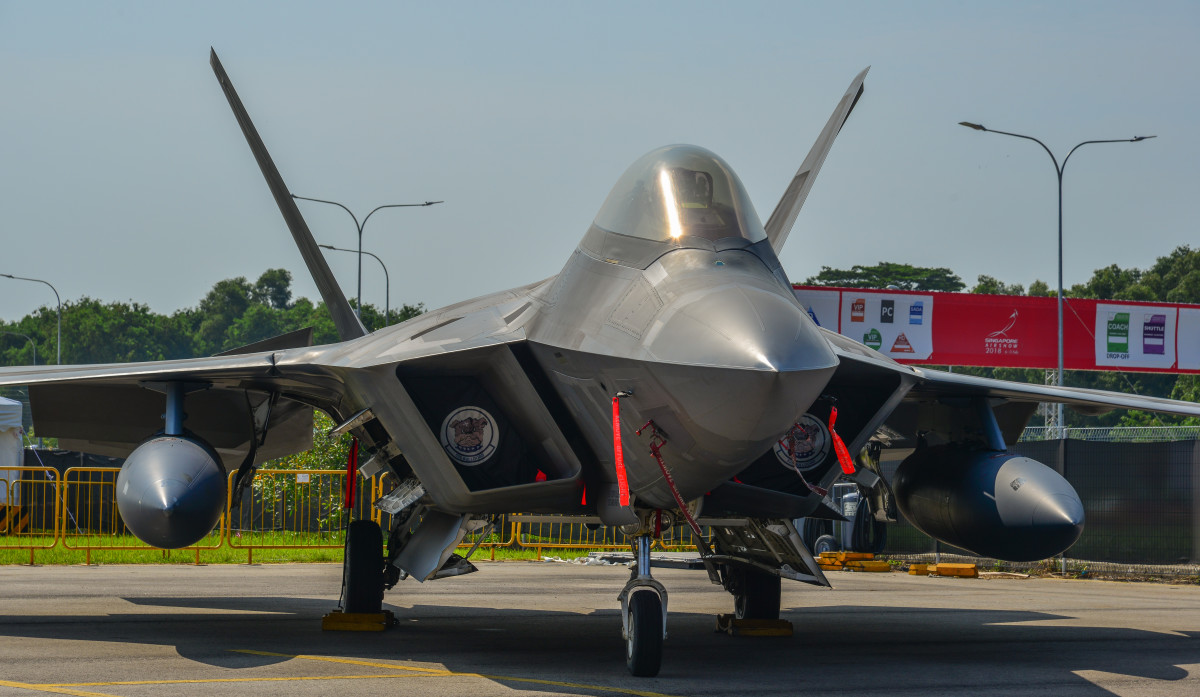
(677, 192)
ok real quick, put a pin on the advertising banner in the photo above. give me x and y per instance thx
(1011, 331)
(1187, 338)
(896, 325)
(1135, 336)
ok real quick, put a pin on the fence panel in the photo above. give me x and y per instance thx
(29, 504)
(291, 509)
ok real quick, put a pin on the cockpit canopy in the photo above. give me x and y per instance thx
(677, 192)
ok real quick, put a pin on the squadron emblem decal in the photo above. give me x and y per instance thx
(469, 436)
(806, 445)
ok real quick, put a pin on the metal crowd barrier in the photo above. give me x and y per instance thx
(293, 509)
(29, 509)
(90, 520)
(282, 509)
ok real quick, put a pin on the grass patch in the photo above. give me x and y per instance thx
(256, 547)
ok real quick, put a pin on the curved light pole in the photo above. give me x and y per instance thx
(387, 283)
(31, 343)
(360, 227)
(1058, 169)
(38, 280)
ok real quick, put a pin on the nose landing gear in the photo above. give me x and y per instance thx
(643, 615)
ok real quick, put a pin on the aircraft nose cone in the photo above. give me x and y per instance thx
(739, 327)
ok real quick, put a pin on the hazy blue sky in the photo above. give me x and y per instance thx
(123, 174)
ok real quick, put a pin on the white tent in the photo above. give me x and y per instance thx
(10, 449)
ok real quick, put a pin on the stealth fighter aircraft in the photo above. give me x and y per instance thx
(665, 376)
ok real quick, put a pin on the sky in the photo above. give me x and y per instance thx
(124, 176)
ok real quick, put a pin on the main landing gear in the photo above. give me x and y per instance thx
(362, 569)
(643, 615)
(756, 593)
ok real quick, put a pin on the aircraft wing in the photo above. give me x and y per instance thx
(938, 383)
(109, 409)
(927, 384)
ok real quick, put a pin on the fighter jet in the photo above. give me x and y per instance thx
(666, 376)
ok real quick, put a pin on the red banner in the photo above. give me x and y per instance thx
(1011, 331)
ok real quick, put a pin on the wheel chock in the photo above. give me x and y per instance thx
(338, 621)
(918, 569)
(731, 625)
(961, 570)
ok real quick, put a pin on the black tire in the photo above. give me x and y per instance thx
(758, 595)
(362, 568)
(826, 543)
(643, 648)
(813, 529)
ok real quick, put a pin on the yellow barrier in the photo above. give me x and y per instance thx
(282, 509)
(540, 532)
(90, 520)
(29, 509)
(291, 509)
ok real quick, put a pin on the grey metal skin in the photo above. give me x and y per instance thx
(995, 504)
(171, 491)
(701, 327)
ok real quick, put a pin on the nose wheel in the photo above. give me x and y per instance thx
(643, 615)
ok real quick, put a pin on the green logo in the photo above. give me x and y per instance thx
(873, 339)
(1118, 332)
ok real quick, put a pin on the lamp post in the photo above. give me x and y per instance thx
(56, 297)
(360, 227)
(1058, 169)
(31, 343)
(387, 284)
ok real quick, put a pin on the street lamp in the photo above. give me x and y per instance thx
(31, 343)
(1058, 169)
(56, 297)
(387, 284)
(360, 227)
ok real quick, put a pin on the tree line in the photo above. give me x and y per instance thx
(234, 313)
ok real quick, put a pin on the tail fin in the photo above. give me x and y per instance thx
(781, 220)
(347, 323)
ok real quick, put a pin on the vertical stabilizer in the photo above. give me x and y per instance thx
(781, 220)
(347, 323)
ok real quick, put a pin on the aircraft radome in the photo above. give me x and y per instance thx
(672, 329)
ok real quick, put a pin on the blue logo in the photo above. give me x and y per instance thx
(916, 312)
(469, 436)
(814, 316)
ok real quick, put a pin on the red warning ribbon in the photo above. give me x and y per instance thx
(618, 455)
(351, 473)
(843, 455)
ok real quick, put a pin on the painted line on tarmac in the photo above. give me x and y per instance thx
(450, 673)
(191, 681)
(52, 689)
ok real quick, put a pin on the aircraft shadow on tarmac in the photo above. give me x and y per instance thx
(883, 646)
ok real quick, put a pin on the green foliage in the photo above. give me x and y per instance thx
(234, 313)
(884, 274)
(993, 286)
(1173, 278)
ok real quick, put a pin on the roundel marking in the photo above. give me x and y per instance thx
(469, 436)
(806, 445)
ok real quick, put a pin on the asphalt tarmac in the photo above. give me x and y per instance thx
(550, 629)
